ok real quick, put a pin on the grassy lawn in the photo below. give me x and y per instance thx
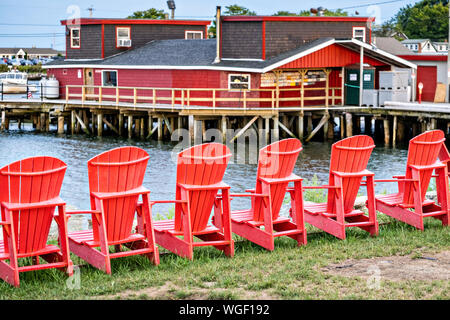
(290, 272)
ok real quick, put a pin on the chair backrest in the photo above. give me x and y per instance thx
(31, 181)
(276, 161)
(423, 150)
(349, 155)
(202, 165)
(117, 170)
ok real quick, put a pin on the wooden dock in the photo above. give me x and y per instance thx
(95, 113)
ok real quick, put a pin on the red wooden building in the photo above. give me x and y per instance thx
(255, 61)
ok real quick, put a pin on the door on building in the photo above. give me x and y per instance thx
(428, 76)
(89, 81)
(352, 83)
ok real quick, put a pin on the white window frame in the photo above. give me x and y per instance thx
(72, 38)
(103, 77)
(359, 29)
(239, 75)
(192, 31)
(122, 38)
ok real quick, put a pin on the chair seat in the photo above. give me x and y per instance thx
(396, 199)
(169, 227)
(48, 249)
(246, 216)
(87, 238)
(313, 208)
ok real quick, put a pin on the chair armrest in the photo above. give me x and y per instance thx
(165, 201)
(321, 187)
(363, 173)
(248, 195)
(129, 193)
(250, 190)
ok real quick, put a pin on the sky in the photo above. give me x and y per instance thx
(37, 23)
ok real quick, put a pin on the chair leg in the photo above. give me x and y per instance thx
(9, 274)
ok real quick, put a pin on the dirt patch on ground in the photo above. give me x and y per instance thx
(425, 267)
(172, 291)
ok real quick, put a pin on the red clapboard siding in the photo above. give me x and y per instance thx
(331, 56)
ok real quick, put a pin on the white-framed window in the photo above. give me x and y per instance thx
(190, 35)
(239, 81)
(109, 78)
(123, 36)
(75, 39)
(359, 33)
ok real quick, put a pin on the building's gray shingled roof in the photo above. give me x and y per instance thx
(391, 45)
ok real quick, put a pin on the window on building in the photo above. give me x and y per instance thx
(109, 78)
(123, 36)
(75, 38)
(416, 47)
(193, 35)
(239, 82)
(359, 33)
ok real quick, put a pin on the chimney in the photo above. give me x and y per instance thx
(420, 48)
(218, 39)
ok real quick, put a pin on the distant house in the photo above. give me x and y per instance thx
(441, 46)
(425, 46)
(30, 53)
(391, 45)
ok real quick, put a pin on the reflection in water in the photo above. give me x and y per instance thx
(161, 171)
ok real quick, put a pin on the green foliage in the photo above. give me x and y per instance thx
(326, 13)
(236, 10)
(151, 13)
(3, 68)
(31, 69)
(427, 19)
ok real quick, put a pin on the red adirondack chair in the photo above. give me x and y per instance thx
(422, 160)
(200, 171)
(275, 172)
(349, 158)
(115, 184)
(29, 194)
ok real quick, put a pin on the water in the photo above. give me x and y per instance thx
(161, 171)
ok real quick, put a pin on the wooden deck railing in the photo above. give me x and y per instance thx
(215, 98)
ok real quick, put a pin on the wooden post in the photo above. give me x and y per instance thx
(300, 126)
(260, 131)
(60, 124)
(120, 124)
(150, 126)
(99, 124)
(302, 90)
(433, 124)
(387, 136)
(394, 132)
(349, 124)
(191, 127)
(343, 86)
(130, 126)
(160, 128)
(331, 128)
(267, 131)
(325, 130)
(367, 125)
(137, 127)
(3, 120)
(72, 122)
(285, 122)
(197, 136)
(276, 129)
(309, 124)
(400, 130)
(327, 88)
(342, 125)
(142, 132)
(224, 129)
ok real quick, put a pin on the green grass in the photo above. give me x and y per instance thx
(289, 272)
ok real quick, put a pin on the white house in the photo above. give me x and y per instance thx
(420, 45)
(30, 53)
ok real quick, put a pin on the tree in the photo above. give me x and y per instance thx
(285, 14)
(233, 10)
(327, 13)
(427, 19)
(151, 13)
(236, 10)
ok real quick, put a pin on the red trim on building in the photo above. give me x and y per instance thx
(103, 41)
(321, 19)
(417, 57)
(264, 40)
(84, 21)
